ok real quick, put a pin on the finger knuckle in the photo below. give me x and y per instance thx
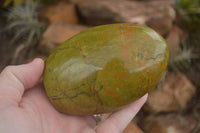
(7, 69)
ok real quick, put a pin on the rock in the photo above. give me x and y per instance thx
(174, 94)
(170, 123)
(158, 15)
(59, 12)
(175, 38)
(79, 1)
(56, 34)
(104, 68)
(132, 128)
(161, 25)
(82, 1)
(172, 1)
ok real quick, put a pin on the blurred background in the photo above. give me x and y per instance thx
(31, 28)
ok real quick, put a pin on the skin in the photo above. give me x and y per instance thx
(25, 108)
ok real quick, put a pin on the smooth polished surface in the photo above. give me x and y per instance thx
(104, 68)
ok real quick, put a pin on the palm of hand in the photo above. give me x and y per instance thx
(35, 114)
(24, 110)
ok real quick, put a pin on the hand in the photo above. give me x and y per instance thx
(25, 108)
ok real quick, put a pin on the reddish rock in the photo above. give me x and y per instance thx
(158, 15)
(132, 128)
(175, 37)
(161, 25)
(56, 34)
(80, 1)
(172, 1)
(173, 95)
(170, 123)
(60, 12)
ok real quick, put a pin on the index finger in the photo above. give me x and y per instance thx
(118, 121)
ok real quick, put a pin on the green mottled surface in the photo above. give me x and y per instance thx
(104, 68)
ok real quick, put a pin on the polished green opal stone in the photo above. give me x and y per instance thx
(104, 68)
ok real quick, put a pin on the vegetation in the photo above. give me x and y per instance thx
(181, 60)
(14, 2)
(17, 2)
(190, 20)
(23, 21)
(189, 11)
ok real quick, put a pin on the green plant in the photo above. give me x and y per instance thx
(16, 2)
(181, 60)
(23, 21)
(188, 6)
(190, 18)
(8, 2)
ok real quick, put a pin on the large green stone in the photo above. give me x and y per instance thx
(104, 68)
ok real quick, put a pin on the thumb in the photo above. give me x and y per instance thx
(14, 80)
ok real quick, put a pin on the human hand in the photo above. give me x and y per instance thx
(25, 108)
